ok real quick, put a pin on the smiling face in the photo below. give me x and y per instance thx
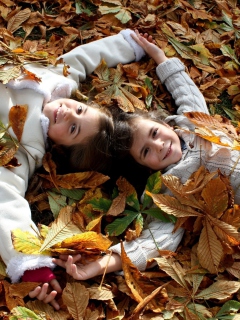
(155, 145)
(71, 122)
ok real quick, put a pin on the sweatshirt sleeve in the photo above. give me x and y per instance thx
(185, 93)
(158, 235)
(84, 59)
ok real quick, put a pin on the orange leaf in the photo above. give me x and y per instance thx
(17, 118)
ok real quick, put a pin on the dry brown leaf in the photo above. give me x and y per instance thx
(17, 118)
(76, 303)
(16, 21)
(209, 250)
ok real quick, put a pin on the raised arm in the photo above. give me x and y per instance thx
(84, 59)
(172, 73)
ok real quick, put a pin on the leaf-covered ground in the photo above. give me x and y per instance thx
(201, 281)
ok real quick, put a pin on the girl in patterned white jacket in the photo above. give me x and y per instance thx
(66, 122)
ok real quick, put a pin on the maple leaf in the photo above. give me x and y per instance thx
(114, 81)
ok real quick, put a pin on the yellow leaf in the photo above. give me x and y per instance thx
(26, 242)
(87, 240)
(61, 228)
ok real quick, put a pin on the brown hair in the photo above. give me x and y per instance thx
(92, 155)
(124, 128)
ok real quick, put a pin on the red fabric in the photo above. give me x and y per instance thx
(44, 274)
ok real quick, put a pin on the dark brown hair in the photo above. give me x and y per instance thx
(124, 128)
(92, 155)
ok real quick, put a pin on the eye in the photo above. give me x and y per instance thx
(79, 110)
(145, 152)
(155, 133)
(73, 128)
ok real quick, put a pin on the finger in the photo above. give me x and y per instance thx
(59, 262)
(63, 257)
(55, 285)
(43, 292)
(76, 258)
(75, 273)
(35, 292)
(69, 264)
(55, 304)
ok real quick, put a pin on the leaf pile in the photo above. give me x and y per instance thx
(200, 280)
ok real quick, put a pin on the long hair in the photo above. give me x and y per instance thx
(94, 154)
(124, 128)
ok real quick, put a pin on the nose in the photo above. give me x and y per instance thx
(159, 145)
(68, 114)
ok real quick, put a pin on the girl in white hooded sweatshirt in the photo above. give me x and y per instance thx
(50, 114)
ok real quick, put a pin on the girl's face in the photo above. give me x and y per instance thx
(155, 145)
(71, 122)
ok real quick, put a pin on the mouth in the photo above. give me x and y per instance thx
(168, 151)
(56, 113)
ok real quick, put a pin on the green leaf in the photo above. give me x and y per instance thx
(56, 202)
(229, 52)
(154, 184)
(184, 51)
(75, 194)
(233, 115)
(148, 100)
(80, 9)
(159, 214)
(118, 226)
(124, 16)
(149, 85)
(229, 306)
(133, 202)
(23, 313)
(101, 204)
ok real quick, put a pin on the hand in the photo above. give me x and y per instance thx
(42, 293)
(149, 46)
(93, 268)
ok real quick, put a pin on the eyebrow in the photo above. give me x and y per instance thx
(142, 150)
(79, 127)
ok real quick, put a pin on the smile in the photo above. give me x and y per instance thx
(168, 152)
(56, 113)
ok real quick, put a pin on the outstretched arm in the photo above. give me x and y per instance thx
(172, 73)
(79, 271)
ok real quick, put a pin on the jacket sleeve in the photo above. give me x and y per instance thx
(185, 93)
(84, 59)
(158, 235)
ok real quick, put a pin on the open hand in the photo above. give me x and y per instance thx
(44, 294)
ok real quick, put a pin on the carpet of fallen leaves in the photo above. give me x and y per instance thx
(200, 281)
